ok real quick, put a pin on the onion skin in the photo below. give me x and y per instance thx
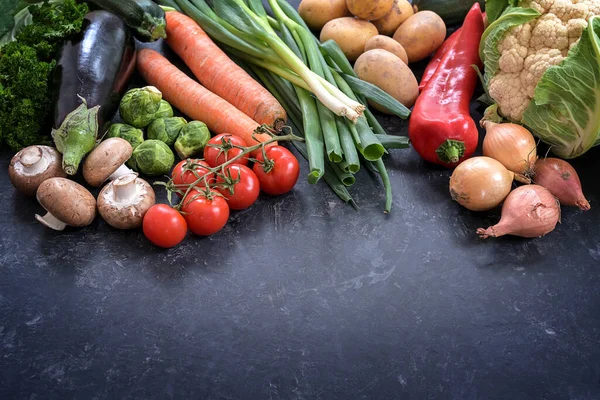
(513, 145)
(480, 183)
(529, 211)
(561, 179)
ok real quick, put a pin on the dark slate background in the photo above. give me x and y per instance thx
(302, 297)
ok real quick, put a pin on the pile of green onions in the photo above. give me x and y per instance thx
(314, 82)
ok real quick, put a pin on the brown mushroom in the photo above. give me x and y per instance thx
(33, 165)
(123, 202)
(66, 203)
(107, 161)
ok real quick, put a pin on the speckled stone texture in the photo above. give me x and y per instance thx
(302, 297)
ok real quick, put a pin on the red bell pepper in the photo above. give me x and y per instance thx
(441, 129)
(437, 58)
(439, 54)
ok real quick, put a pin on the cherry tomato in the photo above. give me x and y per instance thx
(205, 214)
(164, 226)
(280, 173)
(216, 156)
(245, 190)
(183, 172)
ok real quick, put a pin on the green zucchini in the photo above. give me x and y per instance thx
(451, 11)
(145, 17)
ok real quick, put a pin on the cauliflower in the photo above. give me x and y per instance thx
(526, 39)
(528, 50)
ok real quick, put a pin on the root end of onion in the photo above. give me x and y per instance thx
(583, 204)
(486, 233)
(523, 178)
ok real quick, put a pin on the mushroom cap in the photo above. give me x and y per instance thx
(68, 201)
(129, 213)
(105, 159)
(27, 179)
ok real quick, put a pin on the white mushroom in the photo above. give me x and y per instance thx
(123, 202)
(66, 203)
(107, 161)
(33, 165)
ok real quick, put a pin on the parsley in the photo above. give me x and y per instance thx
(26, 67)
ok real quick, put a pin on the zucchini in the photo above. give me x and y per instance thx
(451, 11)
(145, 17)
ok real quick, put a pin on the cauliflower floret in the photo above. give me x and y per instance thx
(549, 32)
(536, 64)
(575, 28)
(542, 6)
(528, 50)
(513, 59)
(509, 93)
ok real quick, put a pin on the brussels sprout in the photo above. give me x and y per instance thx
(139, 106)
(133, 135)
(164, 110)
(192, 139)
(166, 129)
(152, 158)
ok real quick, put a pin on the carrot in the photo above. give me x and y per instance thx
(194, 100)
(219, 74)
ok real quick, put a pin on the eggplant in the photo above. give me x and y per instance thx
(91, 75)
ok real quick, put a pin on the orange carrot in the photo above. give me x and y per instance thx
(219, 74)
(194, 100)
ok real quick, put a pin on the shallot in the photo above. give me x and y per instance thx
(529, 211)
(561, 179)
(480, 183)
(512, 145)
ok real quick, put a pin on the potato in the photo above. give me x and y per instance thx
(387, 43)
(369, 9)
(400, 12)
(350, 34)
(316, 13)
(388, 72)
(421, 35)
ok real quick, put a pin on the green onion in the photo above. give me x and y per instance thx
(386, 184)
(393, 142)
(237, 13)
(377, 95)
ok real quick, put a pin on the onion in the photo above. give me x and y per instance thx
(512, 145)
(560, 178)
(529, 211)
(480, 183)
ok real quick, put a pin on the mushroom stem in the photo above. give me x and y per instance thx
(121, 171)
(125, 188)
(51, 221)
(33, 161)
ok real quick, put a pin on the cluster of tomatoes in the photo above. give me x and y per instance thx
(213, 186)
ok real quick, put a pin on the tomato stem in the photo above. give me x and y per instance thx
(246, 150)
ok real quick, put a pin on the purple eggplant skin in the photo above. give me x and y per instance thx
(97, 65)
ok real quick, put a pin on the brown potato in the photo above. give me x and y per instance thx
(369, 9)
(400, 12)
(421, 35)
(316, 13)
(350, 34)
(387, 43)
(389, 73)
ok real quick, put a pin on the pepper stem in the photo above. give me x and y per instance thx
(451, 151)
